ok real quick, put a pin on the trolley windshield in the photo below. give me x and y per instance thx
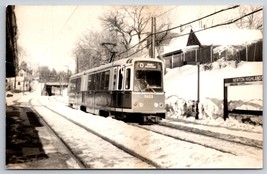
(148, 77)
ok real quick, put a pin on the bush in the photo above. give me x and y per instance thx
(207, 67)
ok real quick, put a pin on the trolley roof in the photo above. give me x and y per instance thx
(126, 61)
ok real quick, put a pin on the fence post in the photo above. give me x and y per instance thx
(172, 61)
(211, 53)
(225, 101)
(246, 51)
(255, 47)
(196, 58)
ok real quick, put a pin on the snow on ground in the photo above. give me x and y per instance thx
(165, 151)
(181, 90)
(175, 154)
(96, 152)
(182, 81)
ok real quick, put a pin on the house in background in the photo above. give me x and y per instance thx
(209, 45)
(19, 83)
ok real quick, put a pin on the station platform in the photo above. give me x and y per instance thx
(29, 144)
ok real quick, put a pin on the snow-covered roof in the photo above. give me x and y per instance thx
(216, 36)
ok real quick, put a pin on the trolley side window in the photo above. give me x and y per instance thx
(89, 82)
(102, 80)
(92, 85)
(128, 79)
(120, 80)
(106, 80)
(72, 85)
(114, 78)
(78, 85)
(97, 81)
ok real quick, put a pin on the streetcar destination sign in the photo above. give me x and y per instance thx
(150, 65)
(147, 65)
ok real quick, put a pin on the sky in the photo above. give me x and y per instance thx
(48, 33)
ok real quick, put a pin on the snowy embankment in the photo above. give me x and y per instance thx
(181, 90)
(175, 154)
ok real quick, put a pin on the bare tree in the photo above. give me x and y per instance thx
(115, 22)
(22, 54)
(253, 21)
(90, 51)
(134, 22)
(123, 26)
(140, 17)
(128, 23)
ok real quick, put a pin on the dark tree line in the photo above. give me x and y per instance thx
(47, 75)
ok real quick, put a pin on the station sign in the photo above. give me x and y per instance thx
(248, 80)
(238, 81)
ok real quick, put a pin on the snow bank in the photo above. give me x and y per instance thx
(181, 90)
(182, 81)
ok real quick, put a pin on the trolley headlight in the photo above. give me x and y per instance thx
(161, 105)
(138, 104)
(156, 105)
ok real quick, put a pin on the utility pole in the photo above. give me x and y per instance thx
(198, 83)
(198, 86)
(77, 64)
(153, 31)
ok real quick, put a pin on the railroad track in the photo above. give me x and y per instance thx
(59, 139)
(211, 125)
(225, 143)
(227, 137)
(84, 164)
(193, 138)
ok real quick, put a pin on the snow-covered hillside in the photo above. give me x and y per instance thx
(181, 88)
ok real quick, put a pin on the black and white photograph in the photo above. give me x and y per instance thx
(134, 87)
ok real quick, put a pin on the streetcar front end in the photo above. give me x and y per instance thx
(148, 96)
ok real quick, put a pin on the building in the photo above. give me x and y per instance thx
(19, 83)
(11, 42)
(206, 46)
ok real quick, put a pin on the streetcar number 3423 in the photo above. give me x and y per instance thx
(148, 96)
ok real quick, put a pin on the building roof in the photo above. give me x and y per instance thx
(216, 36)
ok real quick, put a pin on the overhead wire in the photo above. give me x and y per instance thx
(214, 13)
(193, 21)
(156, 17)
(134, 45)
(214, 26)
(68, 18)
(139, 50)
(146, 32)
(166, 11)
(220, 24)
